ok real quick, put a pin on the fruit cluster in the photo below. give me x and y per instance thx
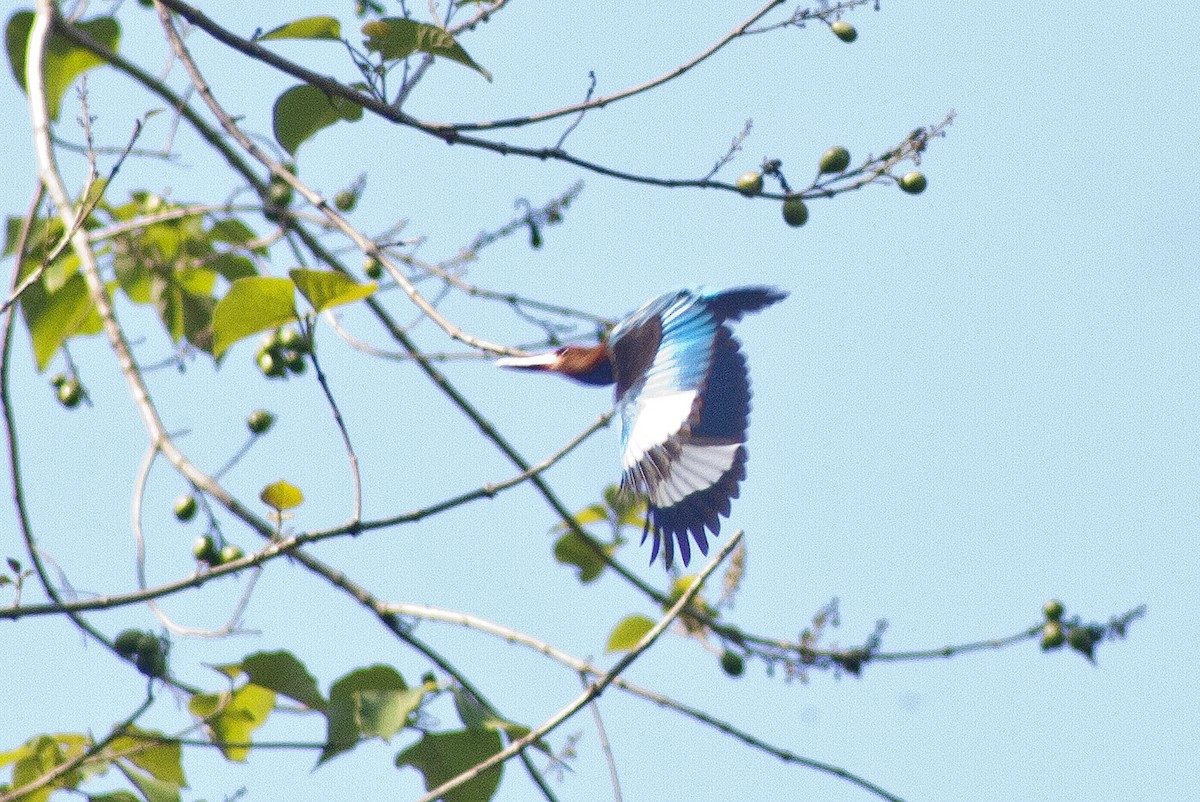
(282, 351)
(145, 650)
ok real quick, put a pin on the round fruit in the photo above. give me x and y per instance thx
(1053, 610)
(293, 339)
(259, 421)
(1053, 636)
(835, 160)
(185, 507)
(732, 663)
(279, 192)
(1081, 640)
(294, 361)
(229, 554)
(795, 213)
(70, 393)
(844, 31)
(913, 183)
(271, 367)
(372, 268)
(127, 642)
(345, 200)
(750, 183)
(204, 549)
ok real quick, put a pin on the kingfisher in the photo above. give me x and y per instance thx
(683, 394)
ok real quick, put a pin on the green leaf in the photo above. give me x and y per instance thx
(151, 788)
(253, 304)
(396, 38)
(516, 731)
(231, 230)
(628, 632)
(231, 266)
(115, 796)
(64, 61)
(382, 713)
(160, 759)
(52, 318)
(283, 673)
(326, 288)
(303, 110)
(359, 705)
(233, 716)
(307, 28)
(281, 496)
(473, 713)
(442, 756)
(571, 549)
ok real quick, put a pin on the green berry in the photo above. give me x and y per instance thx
(259, 421)
(270, 366)
(732, 663)
(345, 201)
(204, 549)
(913, 183)
(795, 213)
(185, 507)
(1053, 636)
(70, 393)
(750, 184)
(293, 339)
(294, 360)
(844, 31)
(229, 554)
(835, 160)
(1082, 640)
(127, 642)
(1053, 610)
(279, 192)
(373, 268)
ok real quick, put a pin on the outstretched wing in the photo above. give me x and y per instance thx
(684, 414)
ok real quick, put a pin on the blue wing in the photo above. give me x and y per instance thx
(683, 393)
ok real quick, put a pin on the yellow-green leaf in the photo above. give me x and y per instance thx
(64, 61)
(54, 317)
(307, 28)
(151, 753)
(571, 549)
(281, 496)
(253, 304)
(303, 110)
(628, 632)
(396, 38)
(326, 288)
(233, 716)
(152, 788)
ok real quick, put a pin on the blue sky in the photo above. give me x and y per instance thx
(973, 400)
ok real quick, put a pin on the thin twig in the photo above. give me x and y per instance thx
(596, 688)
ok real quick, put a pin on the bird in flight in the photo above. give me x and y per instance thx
(683, 395)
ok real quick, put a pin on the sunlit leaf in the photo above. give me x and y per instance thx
(396, 38)
(233, 716)
(303, 110)
(307, 28)
(253, 304)
(64, 61)
(283, 673)
(159, 758)
(326, 288)
(281, 496)
(588, 515)
(628, 632)
(442, 756)
(151, 788)
(52, 318)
